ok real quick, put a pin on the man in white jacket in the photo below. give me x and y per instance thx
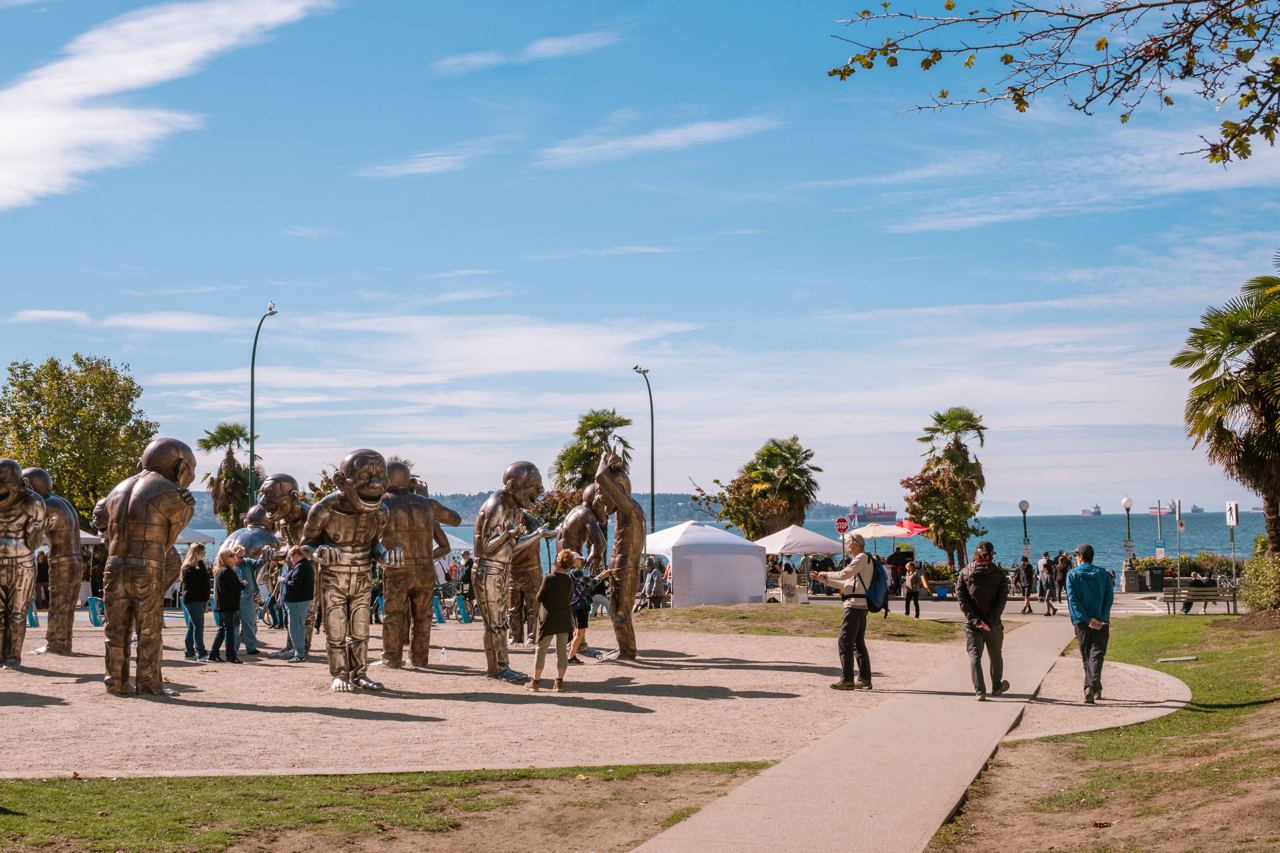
(853, 580)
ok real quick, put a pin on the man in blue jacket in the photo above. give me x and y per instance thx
(1089, 597)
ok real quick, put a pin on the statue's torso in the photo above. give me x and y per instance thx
(16, 522)
(411, 527)
(62, 527)
(144, 515)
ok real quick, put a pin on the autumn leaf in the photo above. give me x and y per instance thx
(1100, 45)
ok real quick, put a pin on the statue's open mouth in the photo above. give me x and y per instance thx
(369, 499)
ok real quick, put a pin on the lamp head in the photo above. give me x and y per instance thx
(271, 309)
(641, 370)
(1023, 506)
(1127, 503)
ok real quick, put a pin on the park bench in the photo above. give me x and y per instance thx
(1175, 595)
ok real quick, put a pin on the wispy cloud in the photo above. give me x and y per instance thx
(451, 275)
(57, 130)
(447, 297)
(943, 169)
(186, 291)
(433, 162)
(307, 232)
(608, 252)
(595, 148)
(554, 47)
(151, 321)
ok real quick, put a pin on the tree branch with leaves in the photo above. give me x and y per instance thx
(1113, 54)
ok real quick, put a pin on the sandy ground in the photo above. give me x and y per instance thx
(691, 698)
(1133, 694)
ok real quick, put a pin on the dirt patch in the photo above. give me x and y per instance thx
(1263, 620)
(580, 814)
(1211, 793)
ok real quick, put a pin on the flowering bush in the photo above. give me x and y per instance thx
(1260, 583)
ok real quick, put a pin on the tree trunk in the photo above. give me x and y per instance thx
(1271, 520)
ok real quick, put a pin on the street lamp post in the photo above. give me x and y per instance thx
(1127, 506)
(644, 372)
(1023, 506)
(253, 364)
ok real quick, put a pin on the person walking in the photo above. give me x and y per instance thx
(1046, 584)
(1060, 576)
(983, 591)
(556, 622)
(580, 607)
(297, 585)
(1090, 593)
(1026, 577)
(856, 574)
(914, 582)
(655, 585)
(197, 584)
(228, 585)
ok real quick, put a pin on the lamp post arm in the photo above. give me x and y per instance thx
(653, 497)
(253, 364)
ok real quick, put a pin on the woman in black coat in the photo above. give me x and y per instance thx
(556, 619)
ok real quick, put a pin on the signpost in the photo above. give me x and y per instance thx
(842, 527)
(1159, 549)
(1026, 546)
(1233, 520)
(1177, 514)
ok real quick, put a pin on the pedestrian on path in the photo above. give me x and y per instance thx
(788, 582)
(197, 587)
(228, 585)
(1089, 598)
(1060, 577)
(1027, 580)
(1046, 584)
(856, 574)
(983, 590)
(556, 622)
(914, 582)
(297, 584)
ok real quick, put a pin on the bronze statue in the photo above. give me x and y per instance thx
(526, 578)
(407, 591)
(66, 566)
(255, 537)
(22, 521)
(143, 517)
(583, 526)
(628, 548)
(344, 530)
(499, 531)
(281, 497)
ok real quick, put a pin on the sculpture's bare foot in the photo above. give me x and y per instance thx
(510, 676)
(341, 685)
(364, 682)
(392, 664)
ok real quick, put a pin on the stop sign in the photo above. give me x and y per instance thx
(842, 524)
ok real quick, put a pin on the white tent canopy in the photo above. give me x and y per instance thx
(710, 565)
(457, 544)
(796, 540)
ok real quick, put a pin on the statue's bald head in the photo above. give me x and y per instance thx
(12, 486)
(39, 481)
(256, 516)
(362, 477)
(170, 458)
(279, 493)
(523, 482)
(399, 477)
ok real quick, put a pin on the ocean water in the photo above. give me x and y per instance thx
(1205, 531)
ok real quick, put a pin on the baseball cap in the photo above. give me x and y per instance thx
(986, 546)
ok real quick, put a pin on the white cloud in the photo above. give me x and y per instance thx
(434, 162)
(37, 315)
(594, 148)
(307, 232)
(152, 321)
(57, 130)
(607, 252)
(555, 47)
(462, 273)
(187, 291)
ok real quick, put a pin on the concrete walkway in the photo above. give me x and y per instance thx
(883, 780)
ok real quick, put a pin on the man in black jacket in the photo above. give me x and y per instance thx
(983, 589)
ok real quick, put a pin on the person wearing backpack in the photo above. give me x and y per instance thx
(853, 580)
(983, 590)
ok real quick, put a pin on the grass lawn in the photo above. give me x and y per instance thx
(210, 813)
(792, 620)
(1129, 788)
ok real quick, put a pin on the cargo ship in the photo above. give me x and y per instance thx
(867, 513)
(1097, 510)
(1195, 508)
(1160, 509)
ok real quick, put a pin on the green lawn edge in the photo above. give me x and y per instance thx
(792, 620)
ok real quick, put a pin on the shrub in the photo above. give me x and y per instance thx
(1205, 563)
(1260, 584)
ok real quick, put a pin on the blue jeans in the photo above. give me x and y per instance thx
(227, 629)
(195, 626)
(248, 621)
(297, 617)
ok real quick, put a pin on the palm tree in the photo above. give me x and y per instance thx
(229, 485)
(946, 435)
(574, 467)
(945, 493)
(784, 468)
(1233, 407)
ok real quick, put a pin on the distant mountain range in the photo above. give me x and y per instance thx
(672, 508)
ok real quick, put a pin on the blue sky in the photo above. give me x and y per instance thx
(475, 218)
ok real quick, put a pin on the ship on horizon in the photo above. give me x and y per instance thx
(1097, 510)
(868, 513)
(1160, 509)
(1197, 508)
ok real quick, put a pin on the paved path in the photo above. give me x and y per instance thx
(885, 779)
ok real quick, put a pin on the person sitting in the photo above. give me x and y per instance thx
(1198, 582)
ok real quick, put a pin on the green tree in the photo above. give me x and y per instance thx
(1120, 53)
(229, 484)
(574, 467)
(324, 484)
(774, 490)
(785, 467)
(1233, 407)
(944, 495)
(80, 421)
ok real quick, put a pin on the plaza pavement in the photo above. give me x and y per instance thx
(885, 778)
